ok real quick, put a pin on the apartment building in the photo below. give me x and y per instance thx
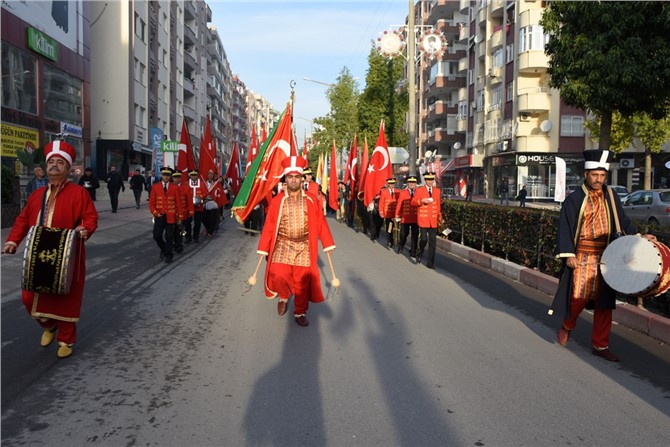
(46, 79)
(220, 89)
(487, 107)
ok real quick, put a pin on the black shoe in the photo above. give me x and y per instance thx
(113, 211)
(418, 257)
(187, 241)
(162, 255)
(168, 259)
(399, 249)
(196, 240)
(430, 267)
(179, 249)
(137, 207)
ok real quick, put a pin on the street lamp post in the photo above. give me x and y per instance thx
(431, 44)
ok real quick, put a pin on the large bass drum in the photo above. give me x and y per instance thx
(633, 265)
(50, 260)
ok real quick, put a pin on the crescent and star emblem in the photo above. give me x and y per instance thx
(384, 153)
(284, 146)
(354, 163)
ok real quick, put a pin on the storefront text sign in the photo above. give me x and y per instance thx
(14, 138)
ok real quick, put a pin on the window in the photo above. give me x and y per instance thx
(509, 53)
(18, 80)
(62, 96)
(462, 110)
(497, 58)
(532, 38)
(572, 126)
(139, 27)
(496, 97)
(510, 92)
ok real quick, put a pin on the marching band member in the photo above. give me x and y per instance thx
(198, 192)
(585, 228)
(388, 198)
(165, 206)
(406, 216)
(61, 204)
(186, 211)
(427, 199)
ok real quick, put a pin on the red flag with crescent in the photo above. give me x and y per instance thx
(379, 168)
(352, 163)
(233, 171)
(185, 161)
(364, 169)
(253, 150)
(270, 169)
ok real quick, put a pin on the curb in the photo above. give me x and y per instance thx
(648, 323)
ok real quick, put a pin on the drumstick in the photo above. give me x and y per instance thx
(335, 282)
(252, 278)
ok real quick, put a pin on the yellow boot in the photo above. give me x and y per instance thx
(48, 336)
(64, 350)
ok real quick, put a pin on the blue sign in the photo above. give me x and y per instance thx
(156, 137)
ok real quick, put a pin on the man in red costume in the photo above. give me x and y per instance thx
(61, 204)
(198, 192)
(165, 206)
(388, 198)
(290, 238)
(406, 215)
(429, 213)
(186, 211)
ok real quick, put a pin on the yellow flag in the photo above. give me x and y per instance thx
(319, 169)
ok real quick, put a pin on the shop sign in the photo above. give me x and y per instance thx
(502, 160)
(170, 146)
(14, 138)
(72, 130)
(42, 44)
(544, 159)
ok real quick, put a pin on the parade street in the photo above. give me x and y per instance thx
(184, 354)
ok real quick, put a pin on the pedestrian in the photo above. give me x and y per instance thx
(38, 181)
(504, 191)
(137, 185)
(388, 199)
(148, 181)
(468, 191)
(427, 199)
(64, 205)
(114, 185)
(294, 225)
(89, 182)
(586, 226)
(211, 215)
(522, 196)
(165, 206)
(406, 216)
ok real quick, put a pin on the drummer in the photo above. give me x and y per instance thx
(62, 204)
(586, 226)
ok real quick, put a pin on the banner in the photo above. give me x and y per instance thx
(559, 190)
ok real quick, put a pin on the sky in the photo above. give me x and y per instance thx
(270, 42)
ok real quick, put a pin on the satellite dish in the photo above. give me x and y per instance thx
(545, 126)
(457, 145)
(428, 154)
(478, 38)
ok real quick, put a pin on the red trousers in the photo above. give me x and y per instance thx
(67, 330)
(602, 322)
(289, 280)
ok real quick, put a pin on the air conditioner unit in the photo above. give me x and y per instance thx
(524, 116)
(627, 163)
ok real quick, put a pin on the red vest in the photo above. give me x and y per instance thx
(165, 202)
(404, 208)
(428, 213)
(387, 203)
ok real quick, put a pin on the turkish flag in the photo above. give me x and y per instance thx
(352, 163)
(333, 201)
(270, 169)
(253, 150)
(233, 171)
(185, 162)
(207, 152)
(364, 170)
(379, 169)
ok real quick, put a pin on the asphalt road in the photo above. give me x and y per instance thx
(183, 354)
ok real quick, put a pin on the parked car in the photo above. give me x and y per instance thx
(620, 191)
(649, 206)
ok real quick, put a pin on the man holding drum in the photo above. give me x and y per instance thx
(590, 219)
(65, 205)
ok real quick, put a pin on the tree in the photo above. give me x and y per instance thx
(610, 56)
(342, 121)
(652, 133)
(621, 134)
(383, 99)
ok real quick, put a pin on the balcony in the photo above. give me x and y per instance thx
(496, 8)
(463, 32)
(533, 143)
(189, 35)
(463, 65)
(441, 9)
(482, 13)
(462, 125)
(463, 94)
(481, 50)
(496, 39)
(190, 12)
(189, 61)
(464, 5)
(438, 110)
(495, 75)
(533, 100)
(530, 17)
(533, 62)
(442, 84)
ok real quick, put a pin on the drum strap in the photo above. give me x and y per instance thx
(617, 226)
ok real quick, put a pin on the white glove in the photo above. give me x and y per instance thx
(371, 207)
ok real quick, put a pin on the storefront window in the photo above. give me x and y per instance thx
(62, 96)
(18, 80)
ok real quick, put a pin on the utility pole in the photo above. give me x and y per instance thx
(411, 74)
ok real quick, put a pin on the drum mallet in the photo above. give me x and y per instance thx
(335, 282)
(252, 278)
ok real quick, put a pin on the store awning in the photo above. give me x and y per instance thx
(466, 161)
(449, 166)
